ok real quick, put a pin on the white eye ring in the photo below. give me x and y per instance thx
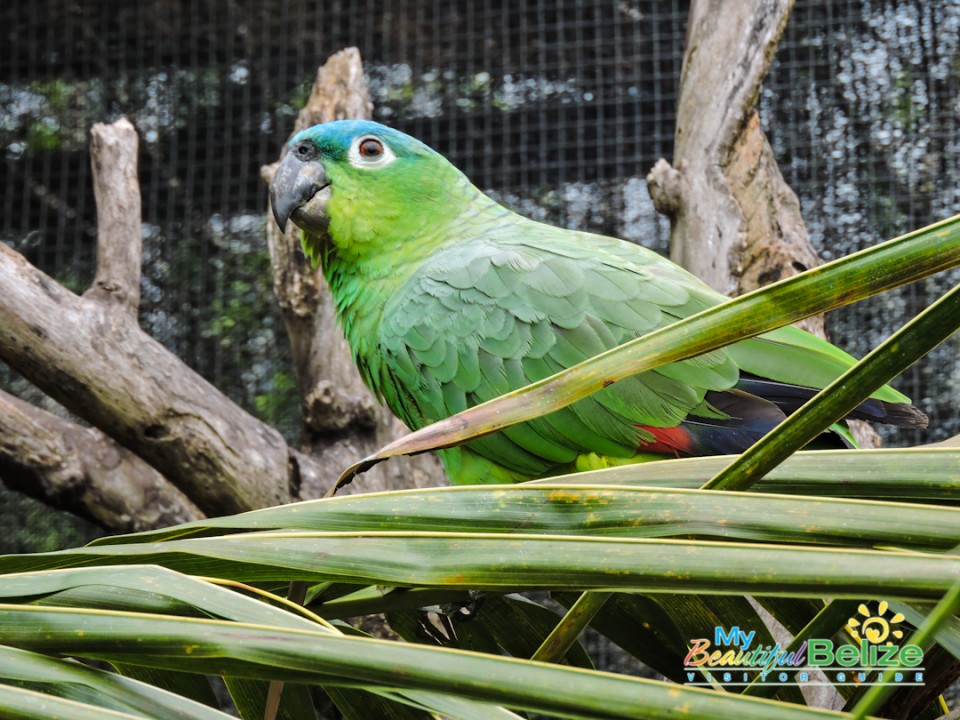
(368, 162)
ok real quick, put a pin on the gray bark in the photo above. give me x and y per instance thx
(81, 470)
(344, 421)
(116, 189)
(735, 223)
(90, 355)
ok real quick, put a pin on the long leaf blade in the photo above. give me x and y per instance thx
(87, 686)
(601, 511)
(912, 474)
(508, 562)
(281, 654)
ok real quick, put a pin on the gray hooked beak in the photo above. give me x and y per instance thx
(300, 190)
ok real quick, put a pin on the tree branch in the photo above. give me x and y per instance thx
(89, 354)
(113, 155)
(735, 222)
(83, 471)
(93, 359)
(342, 417)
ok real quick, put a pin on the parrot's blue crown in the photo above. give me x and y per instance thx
(334, 138)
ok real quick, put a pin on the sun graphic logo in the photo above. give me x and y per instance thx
(875, 628)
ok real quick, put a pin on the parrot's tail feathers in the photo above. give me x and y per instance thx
(721, 439)
(745, 410)
(749, 418)
(900, 414)
(692, 438)
(676, 441)
(740, 417)
(741, 420)
(790, 398)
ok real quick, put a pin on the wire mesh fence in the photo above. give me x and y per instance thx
(558, 109)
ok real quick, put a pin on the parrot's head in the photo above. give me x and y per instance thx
(361, 184)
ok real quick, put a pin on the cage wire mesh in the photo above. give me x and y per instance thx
(558, 109)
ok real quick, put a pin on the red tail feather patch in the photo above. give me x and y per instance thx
(669, 441)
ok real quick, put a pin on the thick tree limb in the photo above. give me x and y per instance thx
(94, 360)
(735, 222)
(82, 470)
(343, 419)
(113, 154)
(89, 354)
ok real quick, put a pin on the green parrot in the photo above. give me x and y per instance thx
(448, 299)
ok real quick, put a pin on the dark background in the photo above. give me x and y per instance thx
(559, 109)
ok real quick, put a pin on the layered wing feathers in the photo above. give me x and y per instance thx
(499, 311)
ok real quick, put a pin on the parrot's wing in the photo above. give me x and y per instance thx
(483, 318)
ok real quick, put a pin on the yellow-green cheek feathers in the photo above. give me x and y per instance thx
(311, 248)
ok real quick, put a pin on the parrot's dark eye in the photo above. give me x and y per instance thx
(370, 149)
(304, 150)
(368, 152)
